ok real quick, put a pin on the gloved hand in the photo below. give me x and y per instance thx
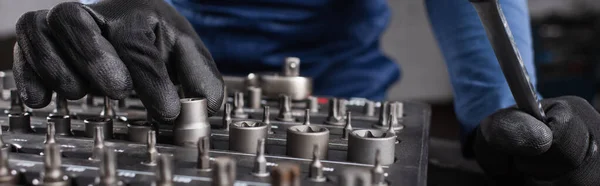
(111, 48)
(515, 148)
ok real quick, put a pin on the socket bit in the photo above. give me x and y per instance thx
(383, 115)
(50, 133)
(392, 118)
(377, 172)
(260, 162)
(313, 104)
(243, 135)
(238, 106)
(302, 138)
(203, 154)
(285, 109)
(152, 152)
(399, 109)
(108, 111)
(53, 174)
(353, 176)
(333, 116)
(8, 176)
(20, 123)
(137, 131)
(98, 144)
(16, 105)
(62, 124)
(362, 144)
(62, 106)
(306, 117)
(108, 169)
(291, 67)
(266, 119)
(315, 171)
(369, 108)
(254, 97)
(92, 123)
(342, 107)
(164, 171)
(348, 127)
(286, 174)
(224, 172)
(226, 117)
(192, 122)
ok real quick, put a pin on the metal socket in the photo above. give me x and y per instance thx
(192, 123)
(362, 145)
(137, 131)
(62, 124)
(105, 123)
(244, 135)
(301, 140)
(20, 123)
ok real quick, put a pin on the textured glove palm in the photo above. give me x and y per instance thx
(514, 148)
(111, 48)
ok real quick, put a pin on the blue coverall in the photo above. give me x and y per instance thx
(338, 42)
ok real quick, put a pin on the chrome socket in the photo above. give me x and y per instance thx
(363, 143)
(301, 140)
(244, 135)
(192, 123)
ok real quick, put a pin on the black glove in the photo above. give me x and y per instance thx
(111, 48)
(514, 148)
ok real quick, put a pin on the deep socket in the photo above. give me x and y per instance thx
(137, 131)
(192, 123)
(62, 124)
(301, 140)
(105, 123)
(20, 123)
(244, 135)
(362, 144)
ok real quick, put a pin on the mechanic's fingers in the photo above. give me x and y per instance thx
(198, 73)
(516, 132)
(31, 89)
(40, 52)
(148, 69)
(77, 32)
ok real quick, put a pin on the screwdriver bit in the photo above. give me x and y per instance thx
(285, 109)
(224, 171)
(254, 97)
(61, 106)
(53, 174)
(342, 107)
(369, 108)
(315, 171)
(16, 105)
(260, 162)
(393, 115)
(50, 133)
(348, 127)
(108, 169)
(313, 104)
(383, 115)
(377, 172)
(108, 111)
(266, 118)
(98, 144)
(238, 106)
(164, 174)
(226, 117)
(285, 174)
(306, 117)
(152, 152)
(7, 175)
(203, 154)
(353, 176)
(390, 131)
(333, 116)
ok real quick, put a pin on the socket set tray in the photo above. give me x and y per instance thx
(37, 141)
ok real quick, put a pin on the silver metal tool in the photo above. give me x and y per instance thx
(89, 100)
(192, 122)
(313, 103)
(260, 162)
(285, 174)
(98, 144)
(62, 123)
(266, 119)
(8, 176)
(306, 117)
(392, 118)
(108, 111)
(226, 117)
(315, 171)
(353, 176)
(137, 131)
(16, 105)
(348, 127)
(238, 106)
(108, 169)
(302, 138)
(61, 106)
(20, 123)
(151, 152)
(243, 135)
(224, 170)
(254, 97)
(50, 133)
(377, 172)
(53, 174)
(285, 109)
(384, 112)
(333, 116)
(510, 60)
(203, 154)
(8, 80)
(122, 103)
(362, 144)
(288, 82)
(369, 108)
(342, 107)
(92, 123)
(399, 109)
(164, 171)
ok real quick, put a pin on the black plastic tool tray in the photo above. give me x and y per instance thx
(410, 167)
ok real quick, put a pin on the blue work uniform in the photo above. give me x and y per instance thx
(338, 42)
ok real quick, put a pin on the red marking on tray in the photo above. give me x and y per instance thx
(323, 100)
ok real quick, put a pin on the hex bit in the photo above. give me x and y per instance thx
(151, 151)
(260, 162)
(285, 109)
(315, 171)
(224, 172)
(203, 162)
(164, 171)
(98, 144)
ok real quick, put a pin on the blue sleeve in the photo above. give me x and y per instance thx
(478, 84)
